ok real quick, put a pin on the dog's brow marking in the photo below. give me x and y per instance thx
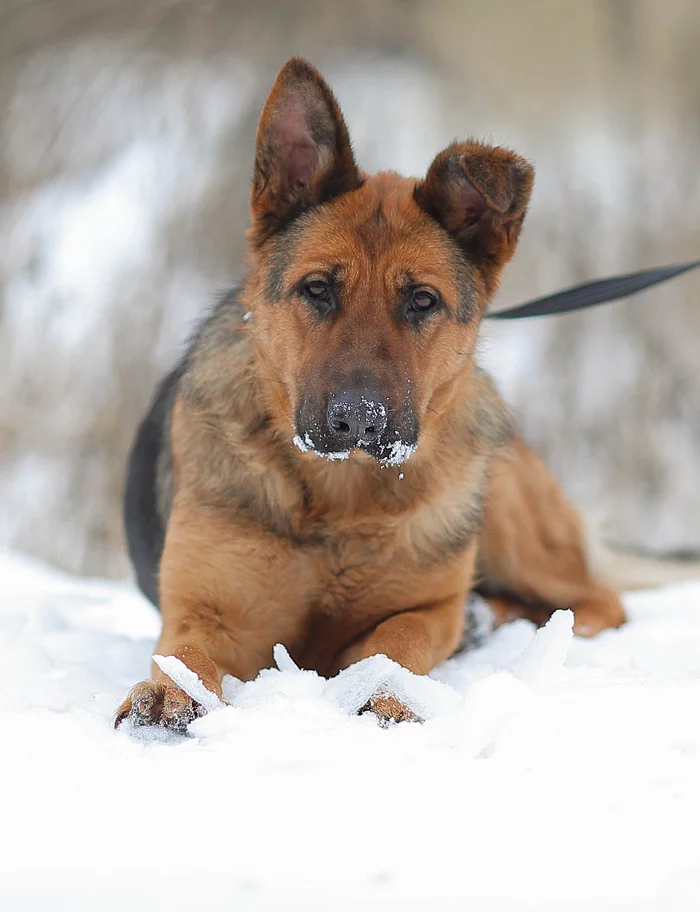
(282, 255)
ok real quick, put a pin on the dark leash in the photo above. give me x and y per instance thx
(591, 293)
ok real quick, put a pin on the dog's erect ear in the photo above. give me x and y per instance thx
(479, 194)
(302, 152)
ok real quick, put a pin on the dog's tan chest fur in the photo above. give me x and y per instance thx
(317, 588)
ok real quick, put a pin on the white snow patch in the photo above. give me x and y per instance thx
(393, 454)
(398, 453)
(307, 445)
(188, 681)
(543, 659)
(304, 445)
(564, 773)
(335, 457)
(283, 660)
(373, 410)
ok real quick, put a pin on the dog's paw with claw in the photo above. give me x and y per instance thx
(389, 709)
(164, 705)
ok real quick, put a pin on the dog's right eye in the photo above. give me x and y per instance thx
(320, 294)
(317, 290)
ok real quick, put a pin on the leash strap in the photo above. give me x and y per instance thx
(598, 292)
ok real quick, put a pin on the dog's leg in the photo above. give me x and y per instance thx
(211, 578)
(417, 639)
(532, 554)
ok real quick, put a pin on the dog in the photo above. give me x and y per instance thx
(328, 467)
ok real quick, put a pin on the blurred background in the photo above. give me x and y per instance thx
(127, 133)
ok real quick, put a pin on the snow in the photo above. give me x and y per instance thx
(392, 454)
(188, 681)
(307, 445)
(397, 453)
(551, 772)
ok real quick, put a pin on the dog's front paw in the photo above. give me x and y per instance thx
(387, 707)
(591, 617)
(152, 703)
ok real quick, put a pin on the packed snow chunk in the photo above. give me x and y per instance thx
(283, 660)
(188, 681)
(543, 660)
(500, 651)
(351, 688)
(274, 686)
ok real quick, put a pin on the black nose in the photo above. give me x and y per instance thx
(357, 416)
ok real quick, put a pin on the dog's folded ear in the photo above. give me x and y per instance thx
(303, 154)
(479, 194)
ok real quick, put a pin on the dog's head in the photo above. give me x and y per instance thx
(367, 291)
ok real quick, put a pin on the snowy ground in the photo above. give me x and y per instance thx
(552, 773)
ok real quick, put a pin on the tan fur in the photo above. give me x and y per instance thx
(343, 560)
(531, 544)
(388, 708)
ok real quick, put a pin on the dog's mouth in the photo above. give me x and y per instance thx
(385, 450)
(356, 421)
(306, 445)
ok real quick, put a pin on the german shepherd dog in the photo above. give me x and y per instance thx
(328, 467)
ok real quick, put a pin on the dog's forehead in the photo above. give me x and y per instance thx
(381, 213)
(378, 225)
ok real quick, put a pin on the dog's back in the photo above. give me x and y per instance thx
(149, 482)
(149, 487)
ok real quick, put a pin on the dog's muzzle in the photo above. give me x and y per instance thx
(356, 418)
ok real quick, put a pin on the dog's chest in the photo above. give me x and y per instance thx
(354, 567)
(354, 584)
(359, 578)
(378, 559)
(377, 568)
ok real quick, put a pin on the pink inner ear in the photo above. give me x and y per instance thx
(473, 202)
(302, 159)
(299, 151)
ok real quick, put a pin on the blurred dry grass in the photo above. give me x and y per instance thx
(127, 139)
